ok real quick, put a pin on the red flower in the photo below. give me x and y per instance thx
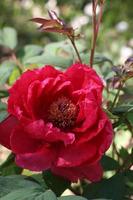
(56, 122)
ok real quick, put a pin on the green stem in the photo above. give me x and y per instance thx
(117, 95)
(75, 48)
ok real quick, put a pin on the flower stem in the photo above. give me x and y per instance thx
(117, 95)
(17, 62)
(96, 24)
(75, 48)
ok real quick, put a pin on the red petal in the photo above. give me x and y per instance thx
(76, 154)
(6, 128)
(38, 161)
(84, 77)
(48, 133)
(88, 115)
(16, 105)
(91, 172)
(22, 143)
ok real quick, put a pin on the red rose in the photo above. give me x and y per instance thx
(56, 122)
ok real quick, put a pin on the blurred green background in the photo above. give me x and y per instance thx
(115, 38)
(23, 47)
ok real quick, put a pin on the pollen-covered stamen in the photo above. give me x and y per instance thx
(63, 113)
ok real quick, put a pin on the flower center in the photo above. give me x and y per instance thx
(63, 113)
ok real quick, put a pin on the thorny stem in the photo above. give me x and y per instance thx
(96, 24)
(75, 48)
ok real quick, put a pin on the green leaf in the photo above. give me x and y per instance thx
(71, 197)
(123, 153)
(6, 69)
(98, 59)
(45, 59)
(56, 183)
(14, 75)
(48, 195)
(109, 163)
(24, 194)
(3, 111)
(123, 108)
(39, 179)
(15, 182)
(63, 48)
(30, 51)
(9, 167)
(8, 37)
(30, 194)
(3, 93)
(130, 116)
(113, 188)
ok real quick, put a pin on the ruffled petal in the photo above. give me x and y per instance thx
(88, 115)
(22, 143)
(38, 161)
(97, 129)
(84, 77)
(40, 130)
(91, 172)
(6, 128)
(76, 154)
(17, 100)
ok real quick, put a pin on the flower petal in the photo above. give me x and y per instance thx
(84, 77)
(88, 115)
(22, 143)
(76, 154)
(38, 161)
(40, 130)
(91, 172)
(6, 128)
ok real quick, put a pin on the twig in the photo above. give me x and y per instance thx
(75, 48)
(96, 24)
(117, 95)
(17, 62)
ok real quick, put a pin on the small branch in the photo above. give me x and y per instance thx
(117, 95)
(17, 62)
(75, 48)
(96, 24)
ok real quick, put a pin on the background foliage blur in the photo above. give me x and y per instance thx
(115, 39)
(22, 47)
